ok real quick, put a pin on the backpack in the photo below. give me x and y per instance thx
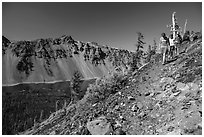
(178, 39)
(164, 41)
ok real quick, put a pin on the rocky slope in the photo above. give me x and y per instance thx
(157, 99)
(50, 60)
(36, 74)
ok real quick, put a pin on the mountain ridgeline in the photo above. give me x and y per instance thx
(51, 60)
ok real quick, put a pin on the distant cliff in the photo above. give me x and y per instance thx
(49, 60)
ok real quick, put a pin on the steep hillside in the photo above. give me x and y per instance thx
(49, 60)
(36, 76)
(23, 105)
(156, 99)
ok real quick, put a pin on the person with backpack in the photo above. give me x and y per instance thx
(172, 47)
(164, 42)
(177, 41)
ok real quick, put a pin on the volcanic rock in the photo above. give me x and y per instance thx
(193, 86)
(182, 86)
(99, 126)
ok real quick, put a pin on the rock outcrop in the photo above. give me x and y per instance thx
(99, 126)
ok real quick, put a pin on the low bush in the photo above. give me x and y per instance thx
(106, 86)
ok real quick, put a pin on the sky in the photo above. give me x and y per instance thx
(114, 24)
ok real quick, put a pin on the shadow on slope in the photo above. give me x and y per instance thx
(24, 105)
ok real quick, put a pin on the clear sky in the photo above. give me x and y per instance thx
(113, 24)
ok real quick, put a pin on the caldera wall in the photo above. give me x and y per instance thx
(47, 60)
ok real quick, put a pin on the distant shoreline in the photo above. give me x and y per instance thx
(50, 82)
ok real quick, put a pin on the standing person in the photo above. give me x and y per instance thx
(172, 46)
(164, 46)
(178, 40)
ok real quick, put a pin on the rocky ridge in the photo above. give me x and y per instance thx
(52, 60)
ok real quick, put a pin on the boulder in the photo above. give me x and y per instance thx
(180, 98)
(139, 105)
(176, 93)
(182, 86)
(52, 133)
(119, 131)
(133, 80)
(177, 76)
(175, 132)
(131, 98)
(200, 124)
(99, 126)
(193, 86)
(118, 124)
(167, 80)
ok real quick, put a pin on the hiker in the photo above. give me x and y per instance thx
(164, 42)
(177, 42)
(172, 49)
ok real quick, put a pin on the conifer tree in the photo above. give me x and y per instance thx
(75, 83)
(154, 48)
(140, 42)
(138, 55)
(148, 54)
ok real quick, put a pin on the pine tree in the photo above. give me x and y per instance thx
(76, 83)
(148, 54)
(138, 55)
(154, 48)
(140, 42)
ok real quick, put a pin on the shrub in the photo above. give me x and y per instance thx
(150, 52)
(25, 65)
(136, 60)
(106, 86)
